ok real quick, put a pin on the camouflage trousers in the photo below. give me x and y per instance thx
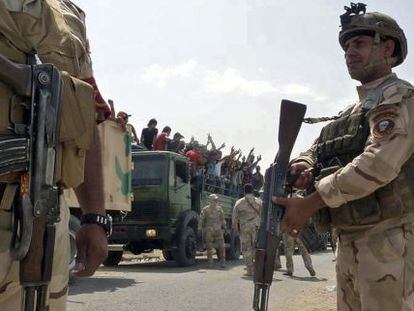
(376, 270)
(248, 241)
(290, 244)
(215, 237)
(10, 289)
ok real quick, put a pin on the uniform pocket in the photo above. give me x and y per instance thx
(76, 129)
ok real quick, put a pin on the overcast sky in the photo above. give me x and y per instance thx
(223, 66)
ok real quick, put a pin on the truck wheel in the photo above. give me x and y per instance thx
(234, 250)
(74, 226)
(168, 256)
(185, 253)
(113, 259)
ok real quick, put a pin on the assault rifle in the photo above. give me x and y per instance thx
(268, 237)
(31, 151)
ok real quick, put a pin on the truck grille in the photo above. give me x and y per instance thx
(151, 211)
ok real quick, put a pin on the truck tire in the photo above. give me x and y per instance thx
(113, 259)
(234, 250)
(167, 254)
(74, 226)
(185, 252)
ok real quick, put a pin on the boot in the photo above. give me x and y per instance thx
(312, 272)
(250, 271)
(223, 264)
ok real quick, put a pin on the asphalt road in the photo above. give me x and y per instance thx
(156, 285)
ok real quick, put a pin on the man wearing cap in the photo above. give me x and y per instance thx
(122, 118)
(245, 221)
(212, 224)
(363, 165)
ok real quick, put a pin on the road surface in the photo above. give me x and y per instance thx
(156, 285)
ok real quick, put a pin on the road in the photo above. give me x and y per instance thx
(156, 285)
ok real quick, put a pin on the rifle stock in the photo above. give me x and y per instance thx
(268, 237)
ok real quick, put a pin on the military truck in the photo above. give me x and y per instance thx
(165, 211)
(117, 166)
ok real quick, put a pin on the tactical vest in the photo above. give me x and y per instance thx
(338, 144)
(58, 43)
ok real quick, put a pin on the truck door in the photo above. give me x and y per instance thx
(179, 185)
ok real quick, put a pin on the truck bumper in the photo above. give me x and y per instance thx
(124, 234)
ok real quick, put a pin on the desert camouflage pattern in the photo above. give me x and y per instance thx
(212, 223)
(10, 289)
(375, 262)
(62, 43)
(376, 271)
(290, 243)
(246, 215)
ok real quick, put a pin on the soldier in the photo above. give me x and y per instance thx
(213, 225)
(290, 244)
(363, 163)
(56, 30)
(246, 215)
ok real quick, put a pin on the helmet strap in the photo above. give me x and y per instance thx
(375, 46)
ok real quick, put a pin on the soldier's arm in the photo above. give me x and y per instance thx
(391, 144)
(308, 157)
(223, 221)
(234, 218)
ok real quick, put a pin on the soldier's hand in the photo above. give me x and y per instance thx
(304, 174)
(298, 211)
(92, 249)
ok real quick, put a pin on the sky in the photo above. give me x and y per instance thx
(223, 66)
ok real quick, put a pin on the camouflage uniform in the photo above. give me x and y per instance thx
(290, 243)
(56, 29)
(246, 214)
(370, 198)
(212, 223)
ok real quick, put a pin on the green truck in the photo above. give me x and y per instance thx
(165, 211)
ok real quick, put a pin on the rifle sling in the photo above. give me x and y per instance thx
(252, 206)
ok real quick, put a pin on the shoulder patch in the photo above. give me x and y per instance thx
(384, 123)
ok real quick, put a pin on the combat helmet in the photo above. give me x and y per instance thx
(381, 26)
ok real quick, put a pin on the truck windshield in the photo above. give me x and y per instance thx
(148, 171)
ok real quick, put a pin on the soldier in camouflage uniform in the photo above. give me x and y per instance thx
(364, 167)
(56, 30)
(246, 216)
(290, 244)
(213, 225)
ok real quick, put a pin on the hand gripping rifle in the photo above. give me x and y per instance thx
(268, 237)
(31, 152)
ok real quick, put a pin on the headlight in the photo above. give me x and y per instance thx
(151, 233)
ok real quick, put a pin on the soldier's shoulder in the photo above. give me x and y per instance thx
(240, 201)
(396, 92)
(258, 200)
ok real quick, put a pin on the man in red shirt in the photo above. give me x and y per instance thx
(160, 143)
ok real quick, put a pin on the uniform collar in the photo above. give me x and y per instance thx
(364, 89)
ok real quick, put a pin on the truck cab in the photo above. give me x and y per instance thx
(165, 211)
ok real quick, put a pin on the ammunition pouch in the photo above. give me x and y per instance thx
(340, 142)
(76, 132)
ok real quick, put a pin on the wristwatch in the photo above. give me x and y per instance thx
(104, 221)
